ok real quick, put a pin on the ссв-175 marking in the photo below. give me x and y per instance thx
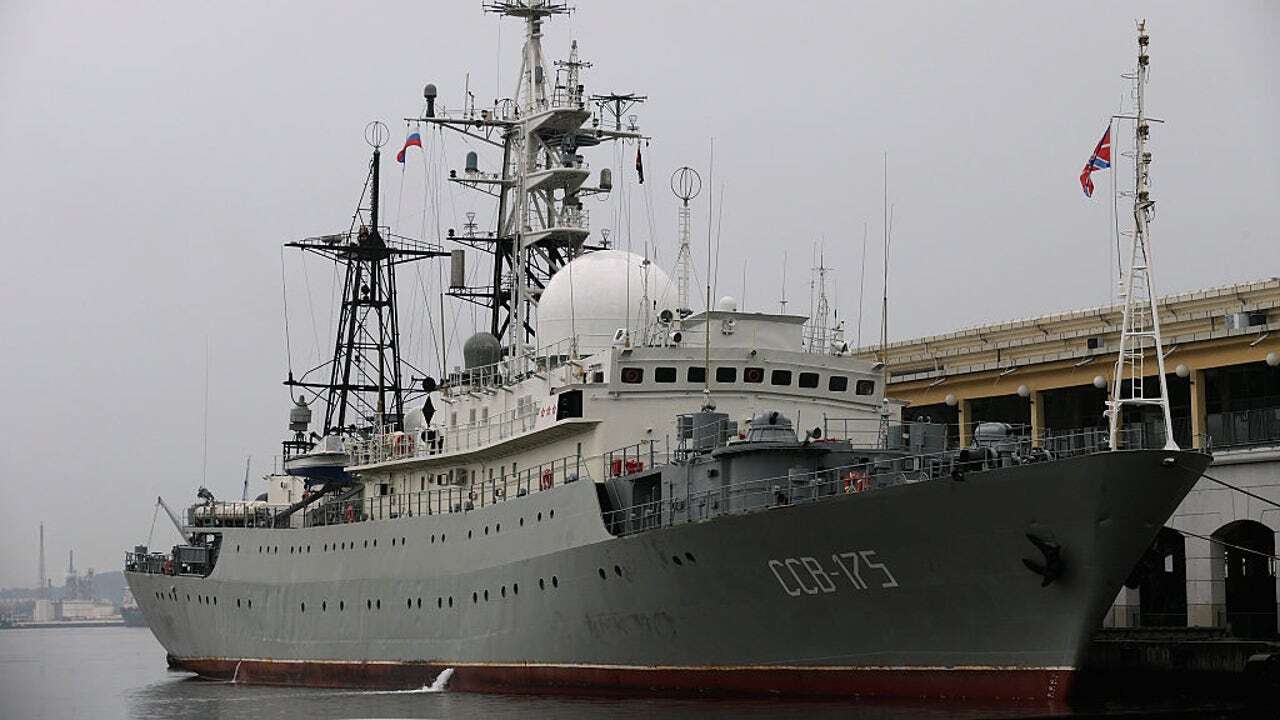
(808, 576)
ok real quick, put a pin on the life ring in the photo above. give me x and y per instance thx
(854, 482)
(402, 444)
(350, 513)
(547, 480)
(167, 568)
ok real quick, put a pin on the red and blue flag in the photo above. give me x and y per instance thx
(414, 140)
(1100, 160)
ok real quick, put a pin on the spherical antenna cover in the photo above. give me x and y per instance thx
(429, 91)
(686, 183)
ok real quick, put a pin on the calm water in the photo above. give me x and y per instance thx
(110, 673)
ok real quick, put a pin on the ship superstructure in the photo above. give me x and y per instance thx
(615, 491)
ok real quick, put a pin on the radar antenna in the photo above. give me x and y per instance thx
(686, 183)
(1140, 326)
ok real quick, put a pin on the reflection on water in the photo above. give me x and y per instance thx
(117, 673)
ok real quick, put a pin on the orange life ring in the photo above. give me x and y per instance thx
(350, 513)
(547, 480)
(854, 482)
(403, 444)
(167, 569)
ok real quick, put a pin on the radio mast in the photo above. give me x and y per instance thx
(1140, 327)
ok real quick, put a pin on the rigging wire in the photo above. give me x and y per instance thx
(1224, 543)
(862, 281)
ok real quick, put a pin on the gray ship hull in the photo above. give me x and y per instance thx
(917, 590)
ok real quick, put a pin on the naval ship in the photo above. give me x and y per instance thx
(616, 492)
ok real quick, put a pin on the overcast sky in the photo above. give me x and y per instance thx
(156, 155)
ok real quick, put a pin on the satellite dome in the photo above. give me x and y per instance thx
(481, 349)
(594, 295)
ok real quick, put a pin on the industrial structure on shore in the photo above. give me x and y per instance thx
(1213, 564)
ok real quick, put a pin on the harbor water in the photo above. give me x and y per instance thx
(116, 673)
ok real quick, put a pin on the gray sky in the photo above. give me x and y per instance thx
(157, 154)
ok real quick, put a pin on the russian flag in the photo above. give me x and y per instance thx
(414, 140)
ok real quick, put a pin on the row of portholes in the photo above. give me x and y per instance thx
(497, 528)
(200, 599)
(334, 547)
(441, 600)
(687, 556)
(617, 570)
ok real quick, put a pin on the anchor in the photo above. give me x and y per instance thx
(1052, 567)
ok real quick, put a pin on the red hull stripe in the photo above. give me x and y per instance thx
(975, 683)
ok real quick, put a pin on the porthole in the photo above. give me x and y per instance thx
(617, 570)
(676, 559)
(497, 528)
(326, 547)
(401, 542)
(450, 601)
(237, 602)
(515, 588)
(393, 542)
(419, 603)
(342, 605)
(441, 537)
(521, 522)
(475, 598)
(503, 591)
(433, 538)
(188, 597)
(368, 604)
(303, 606)
(486, 596)
(308, 548)
(250, 603)
(237, 548)
(486, 529)
(408, 603)
(601, 571)
(542, 585)
(375, 542)
(439, 602)
(378, 603)
(215, 599)
(555, 581)
(689, 556)
(324, 606)
(551, 515)
(468, 534)
(259, 549)
(539, 516)
(366, 543)
(290, 549)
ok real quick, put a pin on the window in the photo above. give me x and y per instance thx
(726, 374)
(696, 375)
(664, 374)
(865, 387)
(838, 383)
(632, 375)
(808, 380)
(753, 375)
(780, 377)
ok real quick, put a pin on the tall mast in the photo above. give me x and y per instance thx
(541, 223)
(1140, 325)
(365, 386)
(686, 183)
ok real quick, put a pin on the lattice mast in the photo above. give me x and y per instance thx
(541, 224)
(1140, 325)
(686, 183)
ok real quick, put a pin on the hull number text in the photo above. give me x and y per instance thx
(859, 569)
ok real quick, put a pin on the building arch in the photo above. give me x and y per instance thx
(1249, 578)
(1161, 581)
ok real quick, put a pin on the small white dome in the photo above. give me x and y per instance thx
(594, 295)
(727, 304)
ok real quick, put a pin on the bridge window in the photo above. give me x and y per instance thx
(726, 374)
(865, 387)
(664, 374)
(632, 375)
(808, 380)
(696, 375)
(753, 375)
(780, 377)
(838, 383)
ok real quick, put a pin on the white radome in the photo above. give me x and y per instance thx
(592, 298)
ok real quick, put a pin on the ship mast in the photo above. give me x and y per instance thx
(365, 386)
(541, 223)
(686, 183)
(1140, 325)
